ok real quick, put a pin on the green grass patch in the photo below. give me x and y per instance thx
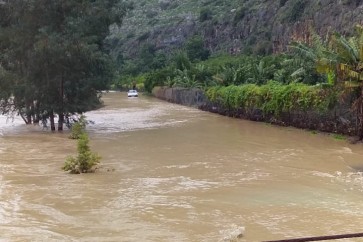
(339, 137)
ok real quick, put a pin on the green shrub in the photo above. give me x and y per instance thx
(143, 37)
(295, 11)
(157, 78)
(239, 14)
(195, 49)
(274, 98)
(181, 60)
(85, 161)
(339, 137)
(263, 48)
(283, 2)
(151, 13)
(205, 14)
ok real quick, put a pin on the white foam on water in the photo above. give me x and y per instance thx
(145, 194)
(2, 211)
(232, 234)
(7, 124)
(177, 166)
(322, 174)
(349, 178)
(190, 184)
(9, 207)
(176, 183)
(129, 119)
(353, 179)
(343, 150)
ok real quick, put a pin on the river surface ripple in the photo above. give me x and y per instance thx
(173, 173)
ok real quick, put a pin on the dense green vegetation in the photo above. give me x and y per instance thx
(311, 76)
(52, 57)
(55, 56)
(273, 98)
(257, 27)
(228, 70)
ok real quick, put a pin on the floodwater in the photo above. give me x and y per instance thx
(173, 173)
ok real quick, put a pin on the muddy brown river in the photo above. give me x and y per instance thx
(173, 173)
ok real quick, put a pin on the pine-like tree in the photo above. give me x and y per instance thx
(54, 51)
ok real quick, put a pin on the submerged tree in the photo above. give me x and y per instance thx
(53, 50)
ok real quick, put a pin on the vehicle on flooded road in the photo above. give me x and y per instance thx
(132, 93)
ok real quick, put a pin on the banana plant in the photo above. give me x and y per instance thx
(304, 65)
(346, 62)
(261, 72)
(230, 75)
(184, 79)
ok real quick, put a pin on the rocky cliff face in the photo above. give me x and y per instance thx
(234, 26)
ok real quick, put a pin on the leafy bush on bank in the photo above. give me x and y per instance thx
(274, 98)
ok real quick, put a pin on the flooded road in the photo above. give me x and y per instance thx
(173, 173)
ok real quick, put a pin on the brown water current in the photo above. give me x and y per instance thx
(173, 173)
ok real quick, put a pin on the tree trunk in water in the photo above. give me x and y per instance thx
(360, 115)
(61, 114)
(28, 119)
(60, 122)
(24, 119)
(36, 118)
(52, 125)
(361, 122)
(28, 114)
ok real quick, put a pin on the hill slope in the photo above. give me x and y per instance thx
(234, 26)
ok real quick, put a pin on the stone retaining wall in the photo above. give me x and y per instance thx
(338, 120)
(190, 97)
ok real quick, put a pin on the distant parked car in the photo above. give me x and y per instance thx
(132, 93)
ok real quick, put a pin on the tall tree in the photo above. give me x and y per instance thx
(55, 51)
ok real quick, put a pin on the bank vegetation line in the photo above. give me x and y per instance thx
(321, 238)
(297, 105)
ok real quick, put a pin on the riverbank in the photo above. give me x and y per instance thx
(337, 120)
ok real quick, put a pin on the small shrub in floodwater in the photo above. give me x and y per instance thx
(85, 161)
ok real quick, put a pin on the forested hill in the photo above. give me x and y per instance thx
(234, 26)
